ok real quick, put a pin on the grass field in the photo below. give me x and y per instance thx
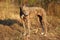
(16, 32)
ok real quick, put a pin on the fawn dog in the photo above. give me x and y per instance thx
(38, 11)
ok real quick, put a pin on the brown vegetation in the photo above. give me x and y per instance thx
(16, 30)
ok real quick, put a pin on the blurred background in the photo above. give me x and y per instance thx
(10, 13)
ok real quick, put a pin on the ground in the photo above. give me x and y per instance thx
(15, 31)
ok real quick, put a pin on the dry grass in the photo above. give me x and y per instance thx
(16, 32)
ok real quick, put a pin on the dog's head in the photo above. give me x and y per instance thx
(25, 10)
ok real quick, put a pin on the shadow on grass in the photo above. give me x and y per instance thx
(10, 22)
